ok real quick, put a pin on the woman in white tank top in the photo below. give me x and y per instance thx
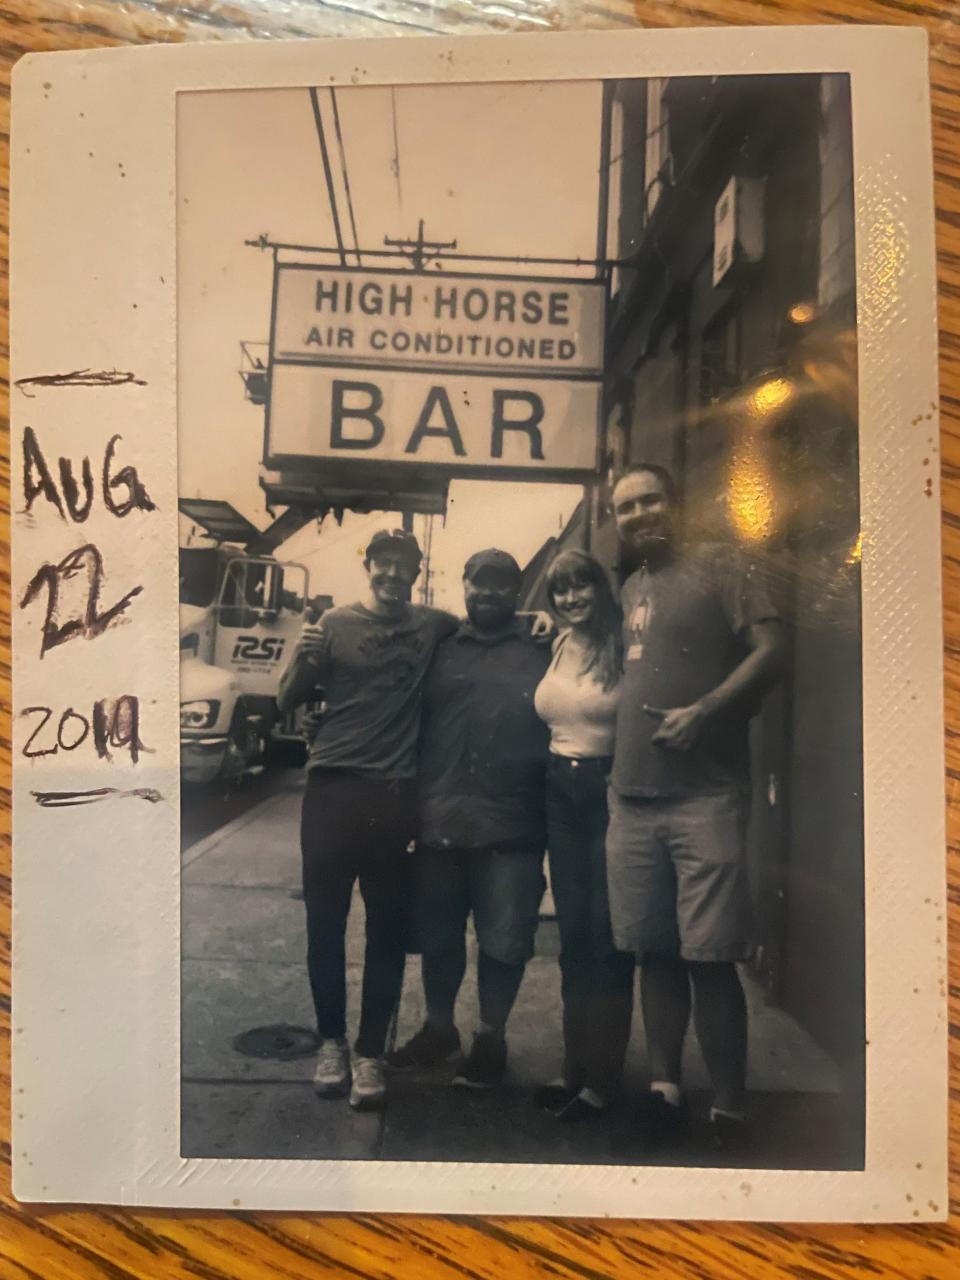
(577, 699)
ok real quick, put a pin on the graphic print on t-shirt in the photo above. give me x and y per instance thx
(395, 658)
(637, 620)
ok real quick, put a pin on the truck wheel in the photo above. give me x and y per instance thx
(243, 749)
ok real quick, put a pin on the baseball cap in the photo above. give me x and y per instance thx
(492, 558)
(395, 539)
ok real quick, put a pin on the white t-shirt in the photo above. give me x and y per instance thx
(580, 713)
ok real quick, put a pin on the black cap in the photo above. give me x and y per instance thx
(500, 561)
(395, 539)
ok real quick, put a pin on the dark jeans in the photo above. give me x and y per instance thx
(353, 827)
(596, 979)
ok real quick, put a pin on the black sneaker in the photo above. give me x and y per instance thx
(430, 1047)
(578, 1110)
(729, 1134)
(661, 1121)
(554, 1097)
(486, 1064)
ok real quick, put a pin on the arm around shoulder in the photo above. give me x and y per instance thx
(447, 623)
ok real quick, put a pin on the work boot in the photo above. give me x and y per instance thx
(430, 1047)
(332, 1075)
(369, 1090)
(486, 1064)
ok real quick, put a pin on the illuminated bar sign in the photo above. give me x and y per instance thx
(468, 373)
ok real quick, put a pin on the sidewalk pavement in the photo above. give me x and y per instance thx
(243, 967)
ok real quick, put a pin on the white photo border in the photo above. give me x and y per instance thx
(96, 914)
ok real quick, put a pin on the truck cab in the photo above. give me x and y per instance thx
(240, 616)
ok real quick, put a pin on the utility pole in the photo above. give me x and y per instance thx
(426, 579)
(420, 251)
(429, 542)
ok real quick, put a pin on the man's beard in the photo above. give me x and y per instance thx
(489, 617)
(654, 545)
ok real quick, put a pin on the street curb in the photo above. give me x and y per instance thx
(210, 842)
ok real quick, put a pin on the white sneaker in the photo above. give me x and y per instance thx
(332, 1075)
(369, 1090)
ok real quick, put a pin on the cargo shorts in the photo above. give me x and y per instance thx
(677, 876)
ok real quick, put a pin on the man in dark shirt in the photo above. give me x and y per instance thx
(359, 810)
(482, 830)
(701, 645)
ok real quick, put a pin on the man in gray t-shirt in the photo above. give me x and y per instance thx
(371, 667)
(701, 645)
(368, 661)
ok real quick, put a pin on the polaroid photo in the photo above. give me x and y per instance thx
(477, 629)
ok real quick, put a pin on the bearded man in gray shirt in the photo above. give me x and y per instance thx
(702, 643)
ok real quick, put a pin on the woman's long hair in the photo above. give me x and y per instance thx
(605, 649)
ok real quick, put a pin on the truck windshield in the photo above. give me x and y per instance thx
(259, 590)
(198, 575)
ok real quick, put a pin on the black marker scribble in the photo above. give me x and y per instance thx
(137, 498)
(81, 378)
(28, 750)
(62, 799)
(86, 559)
(115, 723)
(38, 482)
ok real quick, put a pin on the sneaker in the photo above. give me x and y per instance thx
(729, 1134)
(486, 1064)
(660, 1120)
(332, 1075)
(369, 1089)
(430, 1047)
(582, 1108)
(554, 1097)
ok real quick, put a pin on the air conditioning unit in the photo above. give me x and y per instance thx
(737, 225)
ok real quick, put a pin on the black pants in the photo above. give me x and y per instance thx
(596, 979)
(356, 826)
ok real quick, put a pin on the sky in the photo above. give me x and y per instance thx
(479, 163)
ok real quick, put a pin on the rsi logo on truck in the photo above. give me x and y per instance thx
(253, 648)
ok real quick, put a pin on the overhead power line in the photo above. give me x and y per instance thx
(328, 175)
(346, 179)
(395, 165)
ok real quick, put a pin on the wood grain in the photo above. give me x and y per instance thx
(64, 1244)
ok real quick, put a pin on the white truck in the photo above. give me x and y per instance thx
(240, 616)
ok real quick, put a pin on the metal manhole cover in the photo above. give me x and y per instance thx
(279, 1041)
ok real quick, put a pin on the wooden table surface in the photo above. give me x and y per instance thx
(64, 1244)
